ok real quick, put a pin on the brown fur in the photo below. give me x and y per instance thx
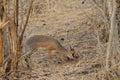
(48, 43)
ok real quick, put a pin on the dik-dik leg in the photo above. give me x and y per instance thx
(49, 55)
(61, 57)
(28, 59)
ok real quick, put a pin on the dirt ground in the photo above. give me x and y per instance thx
(68, 22)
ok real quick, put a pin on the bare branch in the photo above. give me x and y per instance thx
(112, 30)
(27, 18)
(3, 23)
(100, 7)
(17, 13)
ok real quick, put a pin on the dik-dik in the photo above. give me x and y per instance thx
(49, 44)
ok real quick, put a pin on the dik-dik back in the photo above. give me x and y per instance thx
(48, 43)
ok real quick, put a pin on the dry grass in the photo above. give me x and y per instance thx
(77, 24)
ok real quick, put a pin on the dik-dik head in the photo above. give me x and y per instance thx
(70, 54)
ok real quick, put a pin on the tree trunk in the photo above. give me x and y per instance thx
(113, 26)
(118, 16)
(1, 48)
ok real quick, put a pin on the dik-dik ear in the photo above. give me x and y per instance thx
(72, 50)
